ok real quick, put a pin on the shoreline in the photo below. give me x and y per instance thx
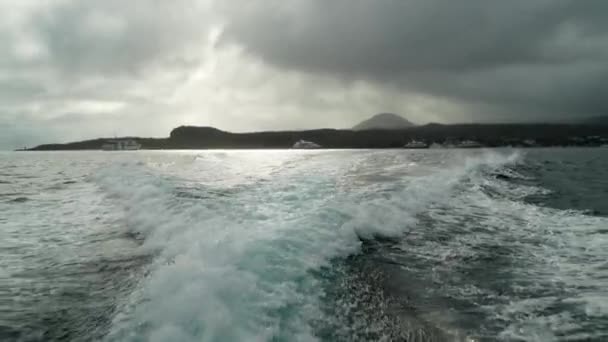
(485, 135)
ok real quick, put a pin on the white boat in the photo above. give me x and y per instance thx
(416, 144)
(469, 144)
(304, 145)
(121, 145)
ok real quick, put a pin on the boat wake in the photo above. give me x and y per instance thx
(421, 249)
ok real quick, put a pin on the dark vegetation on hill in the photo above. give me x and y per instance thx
(190, 137)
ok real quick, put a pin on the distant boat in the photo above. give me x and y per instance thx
(416, 144)
(469, 144)
(121, 145)
(304, 145)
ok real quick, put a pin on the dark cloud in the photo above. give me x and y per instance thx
(74, 69)
(109, 37)
(16, 90)
(546, 57)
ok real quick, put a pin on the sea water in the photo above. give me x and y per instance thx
(285, 245)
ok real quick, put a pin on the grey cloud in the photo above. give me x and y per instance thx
(74, 69)
(25, 129)
(546, 57)
(66, 50)
(114, 36)
(57, 54)
(18, 89)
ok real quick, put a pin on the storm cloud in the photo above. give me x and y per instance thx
(80, 69)
(541, 57)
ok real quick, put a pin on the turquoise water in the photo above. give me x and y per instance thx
(435, 245)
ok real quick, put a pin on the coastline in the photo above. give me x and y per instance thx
(487, 135)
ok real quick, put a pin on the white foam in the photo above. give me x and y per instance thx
(236, 268)
(559, 255)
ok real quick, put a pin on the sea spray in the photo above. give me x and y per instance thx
(225, 273)
(304, 245)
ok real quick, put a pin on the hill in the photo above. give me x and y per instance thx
(597, 120)
(491, 135)
(383, 121)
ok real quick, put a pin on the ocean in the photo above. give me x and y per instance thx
(303, 245)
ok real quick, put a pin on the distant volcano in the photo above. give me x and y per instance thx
(383, 121)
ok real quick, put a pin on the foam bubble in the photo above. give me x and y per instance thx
(238, 267)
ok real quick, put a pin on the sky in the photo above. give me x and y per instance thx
(77, 69)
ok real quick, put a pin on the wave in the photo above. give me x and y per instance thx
(18, 199)
(519, 270)
(242, 267)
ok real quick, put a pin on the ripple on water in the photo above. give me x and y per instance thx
(214, 247)
(19, 200)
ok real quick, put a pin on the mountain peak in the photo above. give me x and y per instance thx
(384, 121)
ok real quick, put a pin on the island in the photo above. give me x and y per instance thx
(486, 135)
